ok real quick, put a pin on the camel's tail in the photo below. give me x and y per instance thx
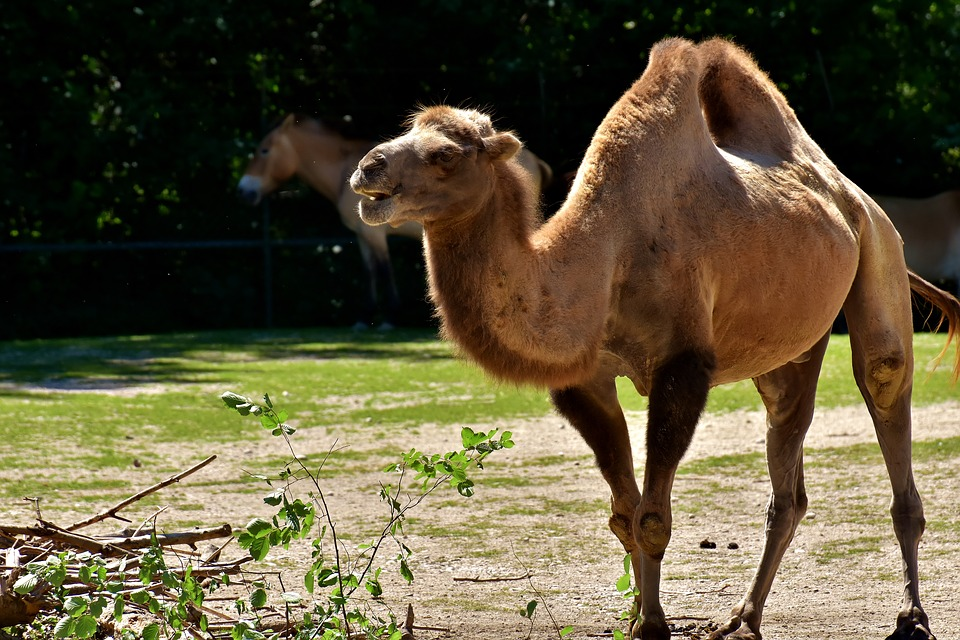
(949, 308)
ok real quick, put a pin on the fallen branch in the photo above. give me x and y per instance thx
(497, 579)
(112, 511)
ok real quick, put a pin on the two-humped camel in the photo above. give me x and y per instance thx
(324, 158)
(706, 239)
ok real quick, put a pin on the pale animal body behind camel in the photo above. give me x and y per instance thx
(323, 158)
(930, 228)
(706, 239)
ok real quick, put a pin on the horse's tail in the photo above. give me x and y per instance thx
(949, 308)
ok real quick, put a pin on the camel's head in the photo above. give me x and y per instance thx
(441, 168)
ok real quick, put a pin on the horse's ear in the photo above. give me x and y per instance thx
(501, 146)
(289, 121)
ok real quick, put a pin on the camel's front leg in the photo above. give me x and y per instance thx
(678, 394)
(788, 394)
(595, 413)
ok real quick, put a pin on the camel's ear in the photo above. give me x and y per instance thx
(501, 146)
(289, 121)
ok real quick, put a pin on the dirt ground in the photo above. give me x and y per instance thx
(840, 577)
(536, 530)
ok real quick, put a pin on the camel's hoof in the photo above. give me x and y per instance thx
(651, 630)
(361, 326)
(911, 632)
(740, 634)
(736, 629)
(386, 326)
(912, 624)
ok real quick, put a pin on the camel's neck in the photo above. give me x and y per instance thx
(326, 160)
(526, 309)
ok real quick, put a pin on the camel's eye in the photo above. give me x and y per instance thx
(264, 151)
(444, 156)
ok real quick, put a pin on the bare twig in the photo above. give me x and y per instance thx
(500, 579)
(112, 511)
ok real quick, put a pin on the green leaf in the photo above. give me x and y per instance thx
(531, 607)
(75, 605)
(274, 498)
(566, 631)
(268, 421)
(258, 599)
(86, 627)
(627, 565)
(97, 606)
(405, 570)
(623, 584)
(151, 632)
(373, 586)
(465, 488)
(26, 583)
(291, 597)
(64, 627)
(258, 527)
(259, 548)
(233, 400)
(308, 581)
(118, 609)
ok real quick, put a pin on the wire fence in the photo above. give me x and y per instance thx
(265, 246)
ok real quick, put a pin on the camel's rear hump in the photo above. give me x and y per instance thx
(743, 108)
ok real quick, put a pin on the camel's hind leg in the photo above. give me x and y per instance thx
(788, 394)
(878, 312)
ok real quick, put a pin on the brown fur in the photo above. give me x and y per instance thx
(706, 239)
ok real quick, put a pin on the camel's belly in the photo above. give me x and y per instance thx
(775, 326)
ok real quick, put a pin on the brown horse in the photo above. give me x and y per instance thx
(930, 228)
(324, 159)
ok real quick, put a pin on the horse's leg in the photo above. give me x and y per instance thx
(678, 394)
(788, 394)
(594, 411)
(377, 259)
(878, 312)
(368, 307)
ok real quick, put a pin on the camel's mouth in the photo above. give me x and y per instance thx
(378, 195)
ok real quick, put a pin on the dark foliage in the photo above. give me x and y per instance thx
(132, 124)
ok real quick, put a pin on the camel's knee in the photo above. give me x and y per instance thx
(622, 528)
(652, 534)
(884, 378)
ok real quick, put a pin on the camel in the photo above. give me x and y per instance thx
(323, 158)
(706, 239)
(930, 228)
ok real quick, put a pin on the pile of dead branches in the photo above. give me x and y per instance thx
(120, 554)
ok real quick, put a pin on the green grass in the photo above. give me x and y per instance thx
(98, 403)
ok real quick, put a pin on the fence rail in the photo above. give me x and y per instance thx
(265, 244)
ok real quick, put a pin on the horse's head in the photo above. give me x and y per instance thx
(274, 162)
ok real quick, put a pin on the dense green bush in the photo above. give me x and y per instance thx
(122, 123)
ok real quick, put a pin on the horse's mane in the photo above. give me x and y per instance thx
(308, 121)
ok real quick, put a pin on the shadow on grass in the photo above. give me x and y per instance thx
(112, 363)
